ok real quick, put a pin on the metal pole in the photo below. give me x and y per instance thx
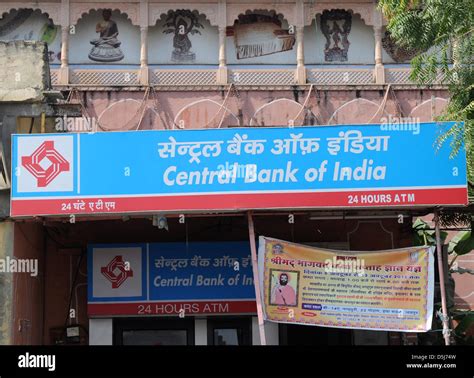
(442, 288)
(256, 282)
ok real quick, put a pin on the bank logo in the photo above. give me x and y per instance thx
(117, 271)
(57, 163)
(44, 163)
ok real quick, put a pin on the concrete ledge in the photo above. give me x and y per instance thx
(25, 71)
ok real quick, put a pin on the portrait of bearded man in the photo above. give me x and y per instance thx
(283, 293)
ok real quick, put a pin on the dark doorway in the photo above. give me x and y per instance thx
(153, 331)
(292, 334)
(229, 331)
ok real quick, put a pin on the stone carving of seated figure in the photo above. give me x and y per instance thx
(107, 46)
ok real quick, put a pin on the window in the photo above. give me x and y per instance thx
(229, 331)
(153, 331)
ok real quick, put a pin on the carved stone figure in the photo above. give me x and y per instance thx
(182, 23)
(336, 25)
(107, 46)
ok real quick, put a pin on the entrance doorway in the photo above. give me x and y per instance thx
(153, 331)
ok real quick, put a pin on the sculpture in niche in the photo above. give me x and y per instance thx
(398, 53)
(107, 46)
(336, 26)
(182, 23)
(258, 34)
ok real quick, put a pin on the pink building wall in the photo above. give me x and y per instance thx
(117, 110)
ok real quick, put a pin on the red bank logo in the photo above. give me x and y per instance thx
(45, 176)
(116, 271)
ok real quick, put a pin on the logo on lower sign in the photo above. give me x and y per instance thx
(117, 271)
(57, 163)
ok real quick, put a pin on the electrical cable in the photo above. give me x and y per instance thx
(68, 310)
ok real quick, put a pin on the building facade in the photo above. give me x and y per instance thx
(154, 65)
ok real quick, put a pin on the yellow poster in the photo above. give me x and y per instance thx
(389, 290)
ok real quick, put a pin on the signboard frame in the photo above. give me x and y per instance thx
(323, 167)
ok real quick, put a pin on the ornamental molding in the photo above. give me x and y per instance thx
(288, 11)
(53, 10)
(365, 11)
(78, 10)
(157, 10)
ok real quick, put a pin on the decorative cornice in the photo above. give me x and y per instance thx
(78, 10)
(364, 10)
(288, 11)
(295, 13)
(53, 10)
(156, 10)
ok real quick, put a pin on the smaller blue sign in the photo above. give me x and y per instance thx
(170, 272)
(200, 271)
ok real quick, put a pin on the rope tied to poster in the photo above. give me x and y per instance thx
(445, 331)
(440, 315)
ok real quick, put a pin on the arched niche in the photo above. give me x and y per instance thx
(80, 10)
(32, 24)
(50, 9)
(86, 47)
(183, 37)
(339, 36)
(261, 36)
(367, 12)
(285, 11)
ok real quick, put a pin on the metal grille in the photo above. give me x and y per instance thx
(104, 78)
(54, 74)
(262, 77)
(341, 77)
(402, 76)
(183, 77)
(398, 76)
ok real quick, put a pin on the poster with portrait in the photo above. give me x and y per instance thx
(390, 290)
(283, 287)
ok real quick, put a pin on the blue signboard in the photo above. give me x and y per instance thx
(241, 168)
(167, 278)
